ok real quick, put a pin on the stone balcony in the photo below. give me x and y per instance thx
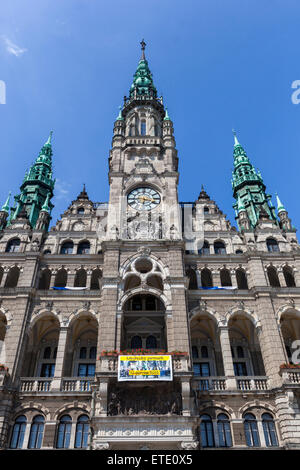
(221, 385)
(41, 385)
(290, 377)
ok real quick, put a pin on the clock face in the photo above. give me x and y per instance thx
(143, 199)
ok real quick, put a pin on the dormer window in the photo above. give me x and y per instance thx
(80, 211)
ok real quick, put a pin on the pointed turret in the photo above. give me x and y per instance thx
(37, 186)
(5, 206)
(280, 207)
(4, 213)
(248, 186)
(284, 220)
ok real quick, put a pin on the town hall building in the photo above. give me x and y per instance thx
(213, 308)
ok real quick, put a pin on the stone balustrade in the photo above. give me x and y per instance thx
(219, 384)
(290, 376)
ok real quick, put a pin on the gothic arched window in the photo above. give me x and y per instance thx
(67, 248)
(204, 352)
(251, 430)
(12, 277)
(241, 279)
(44, 282)
(83, 248)
(143, 127)
(18, 433)
(206, 278)
(205, 249)
(80, 278)
(206, 432)
(225, 277)
(192, 279)
(151, 342)
(82, 432)
(64, 432)
(195, 354)
(224, 432)
(289, 276)
(13, 245)
(273, 276)
(269, 430)
(61, 278)
(272, 245)
(136, 342)
(36, 432)
(82, 353)
(95, 279)
(219, 248)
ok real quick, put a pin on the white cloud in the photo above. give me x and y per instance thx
(61, 189)
(13, 48)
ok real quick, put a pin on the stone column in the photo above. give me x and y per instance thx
(60, 358)
(71, 279)
(257, 277)
(271, 346)
(261, 433)
(52, 280)
(216, 278)
(198, 275)
(233, 278)
(227, 357)
(88, 278)
(281, 277)
(29, 274)
(118, 331)
(26, 435)
(169, 333)
(288, 413)
(3, 280)
(186, 397)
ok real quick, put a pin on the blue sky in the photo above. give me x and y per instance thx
(219, 64)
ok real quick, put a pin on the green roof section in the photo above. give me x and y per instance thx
(37, 187)
(120, 117)
(167, 117)
(248, 187)
(280, 206)
(142, 80)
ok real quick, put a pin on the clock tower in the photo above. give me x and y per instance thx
(143, 166)
(143, 300)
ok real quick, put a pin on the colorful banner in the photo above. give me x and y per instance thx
(154, 367)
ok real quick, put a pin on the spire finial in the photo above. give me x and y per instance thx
(49, 138)
(120, 117)
(167, 117)
(143, 45)
(45, 206)
(5, 206)
(236, 142)
(280, 206)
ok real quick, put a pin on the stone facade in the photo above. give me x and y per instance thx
(144, 267)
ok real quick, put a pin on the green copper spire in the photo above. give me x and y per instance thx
(280, 206)
(142, 80)
(120, 117)
(45, 206)
(37, 187)
(248, 186)
(5, 206)
(167, 117)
